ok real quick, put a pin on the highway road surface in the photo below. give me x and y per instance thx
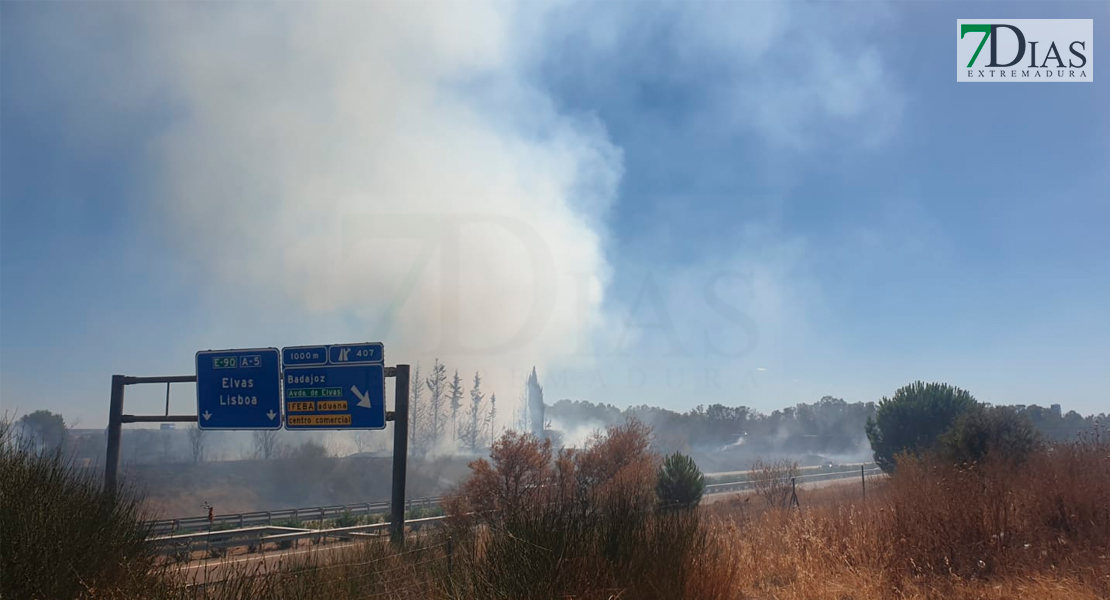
(200, 572)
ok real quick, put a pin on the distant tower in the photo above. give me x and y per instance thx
(535, 403)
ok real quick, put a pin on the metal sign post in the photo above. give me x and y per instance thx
(115, 430)
(116, 419)
(400, 454)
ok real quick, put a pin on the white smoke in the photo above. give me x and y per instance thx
(385, 167)
(336, 172)
(576, 434)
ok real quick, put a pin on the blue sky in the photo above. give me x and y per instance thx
(747, 203)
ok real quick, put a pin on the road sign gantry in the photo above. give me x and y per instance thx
(236, 389)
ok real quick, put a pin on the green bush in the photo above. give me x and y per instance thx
(295, 524)
(62, 535)
(347, 520)
(998, 432)
(680, 482)
(914, 419)
(423, 512)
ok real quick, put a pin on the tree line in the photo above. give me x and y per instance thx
(445, 417)
(829, 426)
(946, 422)
(452, 414)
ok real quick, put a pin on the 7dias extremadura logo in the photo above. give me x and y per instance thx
(1025, 50)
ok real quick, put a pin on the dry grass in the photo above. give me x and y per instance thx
(536, 524)
(933, 531)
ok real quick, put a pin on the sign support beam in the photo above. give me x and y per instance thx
(116, 420)
(115, 431)
(400, 454)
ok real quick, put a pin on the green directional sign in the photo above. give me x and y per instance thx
(224, 362)
(330, 392)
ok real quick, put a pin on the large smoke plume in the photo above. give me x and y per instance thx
(337, 159)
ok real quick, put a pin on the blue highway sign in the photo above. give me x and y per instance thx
(304, 356)
(348, 392)
(350, 354)
(239, 389)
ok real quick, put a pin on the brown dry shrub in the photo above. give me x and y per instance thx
(773, 480)
(514, 478)
(581, 524)
(933, 530)
(972, 520)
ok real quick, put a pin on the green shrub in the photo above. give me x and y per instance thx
(423, 512)
(295, 524)
(347, 520)
(62, 535)
(680, 482)
(913, 419)
(999, 432)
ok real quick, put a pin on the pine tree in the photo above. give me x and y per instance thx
(416, 412)
(680, 483)
(473, 431)
(491, 418)
(914, 418)
(456, 390)
(437, 388)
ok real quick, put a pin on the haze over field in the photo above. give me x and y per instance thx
(673, 205)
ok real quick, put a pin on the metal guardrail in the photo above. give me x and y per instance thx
(268, 517)
(183, 544)
(321, 513)
(256, 537)
(801, 470)
(736, 486)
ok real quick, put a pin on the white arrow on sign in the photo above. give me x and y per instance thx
(363, 399)
(271, 414)
(207, 415)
